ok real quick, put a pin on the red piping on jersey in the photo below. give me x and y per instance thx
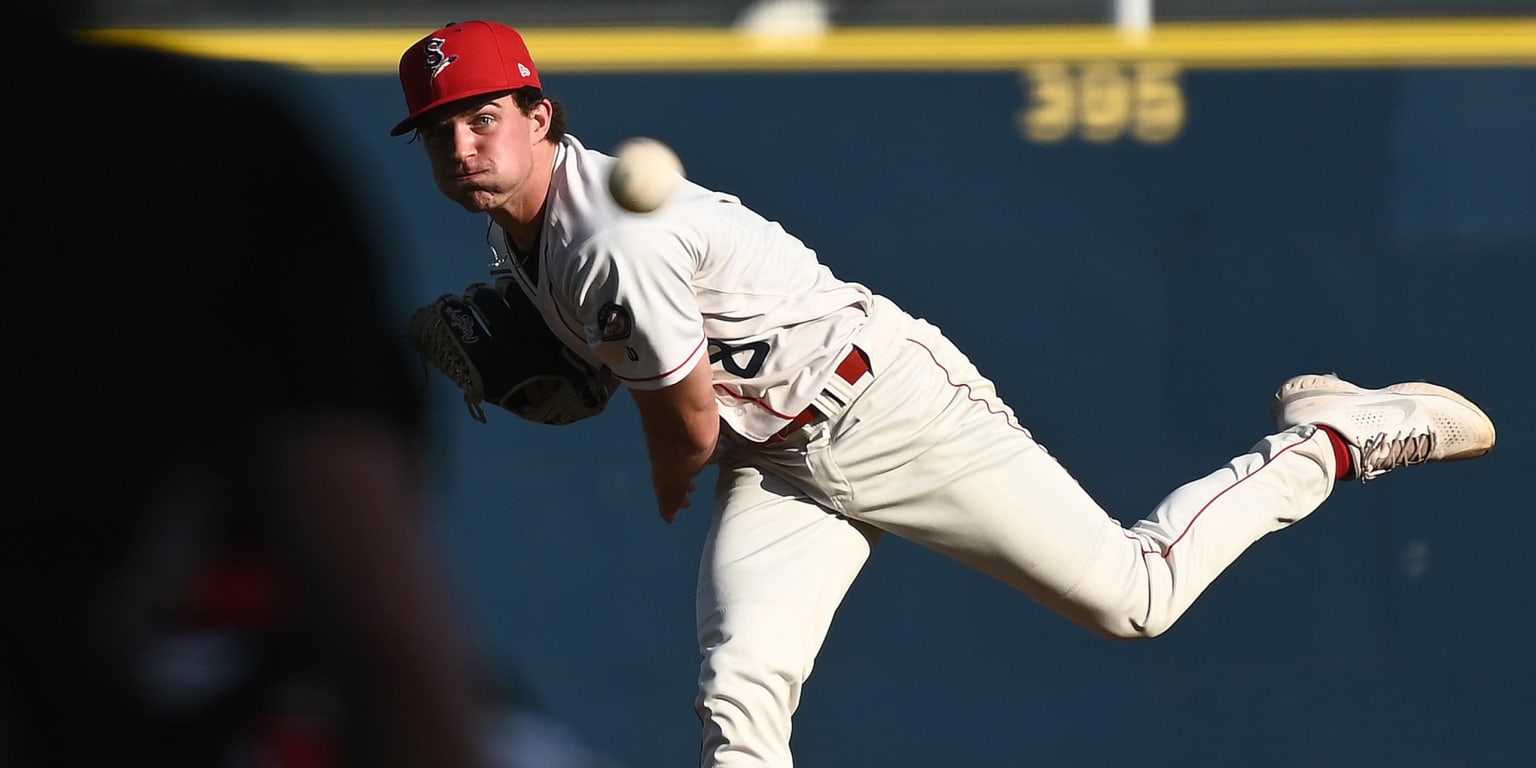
(665, 374)
(752, 400)
(573, 331)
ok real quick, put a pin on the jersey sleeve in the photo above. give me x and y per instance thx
(638, 309)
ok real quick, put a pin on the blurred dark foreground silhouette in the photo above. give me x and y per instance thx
(213, 543)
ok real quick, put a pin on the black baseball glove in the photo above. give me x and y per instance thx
(492, 342)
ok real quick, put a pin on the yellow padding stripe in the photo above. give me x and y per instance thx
(1374, 43)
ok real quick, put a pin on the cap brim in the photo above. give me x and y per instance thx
(409, 124)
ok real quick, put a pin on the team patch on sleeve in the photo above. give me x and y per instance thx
(615, 321)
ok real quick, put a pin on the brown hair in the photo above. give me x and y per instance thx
(529, 97)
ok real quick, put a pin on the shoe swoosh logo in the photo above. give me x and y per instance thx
(1402, 404)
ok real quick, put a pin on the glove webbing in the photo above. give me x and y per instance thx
(435, 345)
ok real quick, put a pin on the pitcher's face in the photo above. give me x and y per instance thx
(483, 154)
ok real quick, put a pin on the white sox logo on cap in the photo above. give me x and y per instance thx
(462, 61)
(435, 61)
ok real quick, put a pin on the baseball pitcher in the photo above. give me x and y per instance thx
(836, 417)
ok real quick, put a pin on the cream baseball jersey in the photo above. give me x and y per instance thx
(648, 295)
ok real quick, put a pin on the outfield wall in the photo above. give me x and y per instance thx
(1137, 270)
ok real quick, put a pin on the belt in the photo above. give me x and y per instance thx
(851, 369)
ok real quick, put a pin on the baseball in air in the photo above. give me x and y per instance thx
(645, 176)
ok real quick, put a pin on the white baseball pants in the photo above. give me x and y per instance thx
(926, 450)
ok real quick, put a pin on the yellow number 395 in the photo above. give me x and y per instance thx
(1101, 102)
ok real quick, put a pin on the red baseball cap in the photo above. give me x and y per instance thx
(460, 61)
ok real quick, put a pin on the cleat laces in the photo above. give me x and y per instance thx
(1381, 454)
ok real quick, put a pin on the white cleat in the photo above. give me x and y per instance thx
(1409, 423)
